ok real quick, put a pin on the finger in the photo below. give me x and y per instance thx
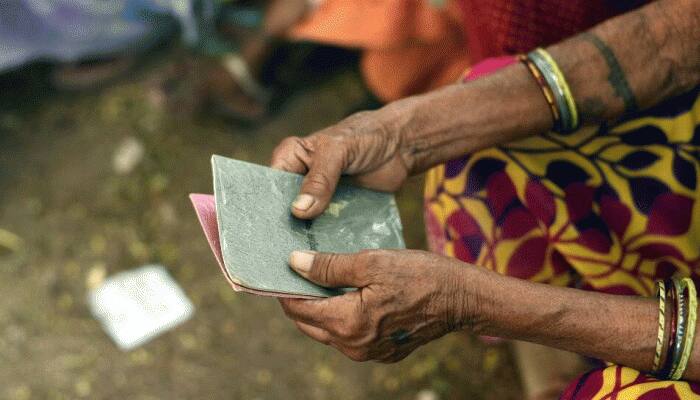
(291, 156)
(330, 269)
(318, 185)
(328, 314)
(318, 334)
(311, 312)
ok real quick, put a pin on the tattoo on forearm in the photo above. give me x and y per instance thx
(616, 77)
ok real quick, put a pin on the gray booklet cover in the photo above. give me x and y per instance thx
(257, 231)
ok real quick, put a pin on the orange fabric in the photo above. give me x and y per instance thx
(409, 46)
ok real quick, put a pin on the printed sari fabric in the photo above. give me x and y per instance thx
(610, 208)
(620, 383)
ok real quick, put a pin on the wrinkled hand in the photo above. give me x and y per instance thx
(405, 298)
(363, 145)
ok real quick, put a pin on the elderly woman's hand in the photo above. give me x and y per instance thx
(405, 298)
(365, 145)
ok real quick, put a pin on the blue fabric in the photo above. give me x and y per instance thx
(70, 30)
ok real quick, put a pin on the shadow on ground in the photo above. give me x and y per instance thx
(76, 218)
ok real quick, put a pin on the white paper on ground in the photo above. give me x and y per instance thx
(136, 306)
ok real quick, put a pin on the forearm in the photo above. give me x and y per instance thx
(619, 329)
(633, 61)
(627, 63)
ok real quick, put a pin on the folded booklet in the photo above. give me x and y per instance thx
(251, 230)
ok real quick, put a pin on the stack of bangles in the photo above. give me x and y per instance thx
(678, 302)
(556, 91)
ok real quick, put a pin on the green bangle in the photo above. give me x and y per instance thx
(687, 284)
(680, 328)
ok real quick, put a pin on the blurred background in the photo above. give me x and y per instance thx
(109, 113)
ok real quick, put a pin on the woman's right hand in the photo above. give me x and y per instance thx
(365, 146)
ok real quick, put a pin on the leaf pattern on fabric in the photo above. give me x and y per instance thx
(645, 191)
(615, 214)
(644, 136)
(563, 173)
(454, 168)
(481, 171)
(501, 195)
(518, 222)
(540, 202)
(469, 238)
(638, 160)
(670, 215)
(684, 171)
(528, 258)
(579, 201)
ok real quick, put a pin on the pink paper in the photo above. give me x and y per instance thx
(205, 207)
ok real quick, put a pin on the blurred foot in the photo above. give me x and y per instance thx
(234, 92)
(90, 74)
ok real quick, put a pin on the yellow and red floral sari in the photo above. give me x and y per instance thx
(610, 208)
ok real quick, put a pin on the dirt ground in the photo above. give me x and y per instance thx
(76, 217)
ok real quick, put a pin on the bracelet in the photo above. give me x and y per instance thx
(681, 307)
(563, 99)
(687, 286)
(564, 87)
(672, 312)
(660, 336)
(546, 90)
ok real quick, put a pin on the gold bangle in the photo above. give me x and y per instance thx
(687, 283)
(661, 334)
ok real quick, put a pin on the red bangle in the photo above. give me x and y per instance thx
(668, 363)
(542, 83)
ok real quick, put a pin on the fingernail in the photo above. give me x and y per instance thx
(301, 261)
(303, 202)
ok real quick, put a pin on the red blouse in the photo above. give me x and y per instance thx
(499, 27)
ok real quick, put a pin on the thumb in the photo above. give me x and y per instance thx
(329, 269)
(319, 184)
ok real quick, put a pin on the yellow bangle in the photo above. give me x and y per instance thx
(661, 293)
(563, 85)
(687, 283)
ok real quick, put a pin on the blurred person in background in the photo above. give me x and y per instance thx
(93, 42)
(407, 46)
(90, 41)
(570, 173)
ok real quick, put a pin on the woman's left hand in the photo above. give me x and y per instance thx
(405, 298)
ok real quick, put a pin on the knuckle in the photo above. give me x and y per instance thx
(317, 183)
(323, 265)
(289, 142)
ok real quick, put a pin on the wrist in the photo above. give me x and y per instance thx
(399, 121)
(466, 302)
